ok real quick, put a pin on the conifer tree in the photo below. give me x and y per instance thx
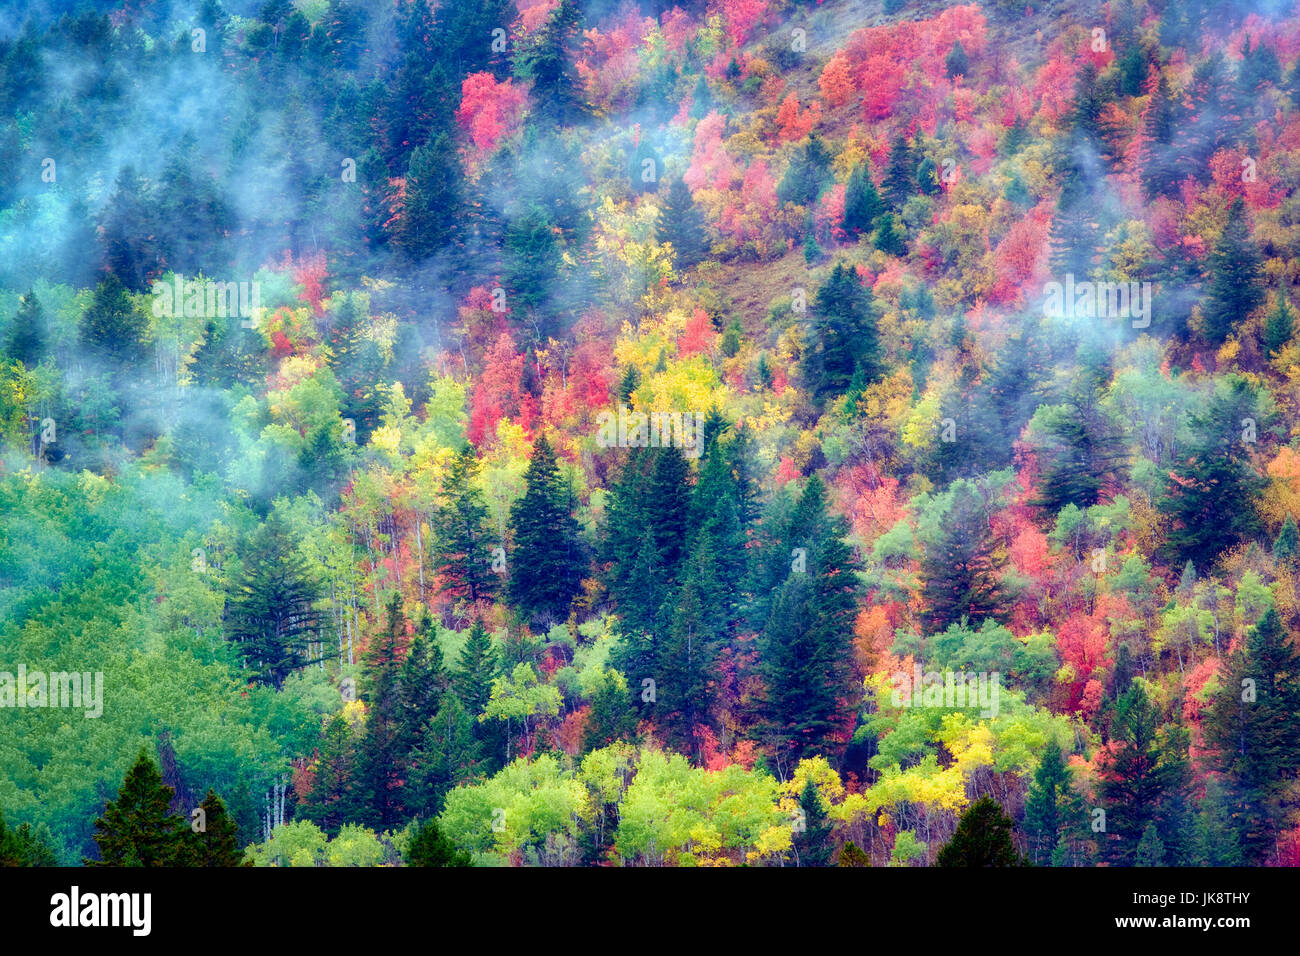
(1279, 327)
(1053, 810)
(432, 200)
(546, 562)
(1254, 731)
(900, 173)
(862, 202)
(1287, 544)
(812, 838)
(138, 828)
(217, 843)
(960, 571)
(956, 62)
(1236, 285)
(475, 670)
(682, 224)
(25, 341)
(334, 799)
(889, 238)
(461, 535)
(982, 838)
(429, 847)
(844, 335)
(269, 607)
(808, 174)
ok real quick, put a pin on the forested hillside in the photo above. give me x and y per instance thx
(674, 432)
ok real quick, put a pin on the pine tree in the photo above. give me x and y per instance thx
(270, 611)
(681, 223)
(138, 828)
(1053, 810)
(217, 843)
(1236, 278)
(844, 335)
(1287, 544)
(532, 267)
(1254, 731)
(432, 200)
(956, 62)
(25, 341)
(1216, 841)
(889, 238)
(960, 571)
(546, 563)
(448, 753)
(1207, 489)
(1279, 327)
(1073, 236)
(1084, 453)
(982, 838)
(807, 175)
(461, 535)
(805, 649)
(812, 839)
(900, 173)
(333, 800)
(112, 329)
(612, 716)
(476, 669)
(1139, 779)
(1150, 849)
(862, 202)
(430, 848)
(1159, 169)
(379, 768)
(544, 61)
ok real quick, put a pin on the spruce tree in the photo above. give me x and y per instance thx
(1236, 285)
(217, 843)
(546, 562)
(433, 198)
(1287, 544)
(807, 175)
(462, 541)
(982, 838)
(138, 828)
(900, 173)
(956, 62)
(805, 650)
(681, 223)
(112, 329)
(1073, 234)
(269, 606)
(852, 855)
(1139, 779)
(1053, 810)
(889, 238)
(333, 798)
(844, 335)
(1209, 494)
(544, 60)
(862, 202)
(1279, 327)
(812, 839)
(960, 571)
(1254, 731)
(379, 769)
(25, 341)
(430, 848)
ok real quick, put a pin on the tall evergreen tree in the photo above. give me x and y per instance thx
(432, 200)
(982, 838)
(270, 611)
(844, 335)
(960, 571)
(462, 539)
(807, 175)
(1279, 327)
(380, 767)
(429, 847)
(546, 562)
(217, 843)
(1054, 811)
(900, 173)
(333, 799)
(862, 202)
(112, 329)
(138, 828)
(1254, 732)
(545, 60)
(1236, 285)
(682, 224)
(812, 838)
(26, 339)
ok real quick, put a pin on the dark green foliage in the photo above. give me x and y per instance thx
(1141, 780)
(862, 202)
(900, 173)
(1054, 811)
(682, 224)
(381, 764)
(332, 800)
(961, 568)
(889, 238)
(217, 843)
(982, 838)
(1210, 492)
(138, 828)
(112, 328)
(1279, 327)
(851, 855)
(544, 563)
(462, 541)
(430, 848)
(1254, 732)
(956, 62)
(844, 337)
(269, 606)
(476, 668)
(1236, 284)
(25, 846)
(1074, 229)
(26, 338)
(434, 194)
(545, 60)
(1287, 544)
(807, 175)
(812, 834)
(1082, 456)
